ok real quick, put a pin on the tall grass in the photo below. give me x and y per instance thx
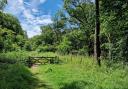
(81, 72)
(13, 56)
(75, 72)
(14, 75)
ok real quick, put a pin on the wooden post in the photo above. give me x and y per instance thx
(29, 62)
(97, 49)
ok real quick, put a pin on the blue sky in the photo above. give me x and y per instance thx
(33, 13)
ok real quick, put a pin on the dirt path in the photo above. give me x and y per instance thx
(42, 84)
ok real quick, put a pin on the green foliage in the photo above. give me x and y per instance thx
(48, 35)
(85, 21)
(78, 35)
(46, 41)
(15, 47)
(10, 42)
(6, 39)
(27, 46)
(10, 22)
(46, 48)
(20, 41)
(77, 39)
(35, 42)
(13, 57)
(83, 51)
(65, 46)
(114, 28)
(11, 34)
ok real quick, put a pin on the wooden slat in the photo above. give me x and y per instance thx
(36, 60)
(41, 57)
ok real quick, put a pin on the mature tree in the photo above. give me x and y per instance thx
(58, 25)
(11, 32)
(82, 14)
(10, 22)
(48, 35)
(114, 25)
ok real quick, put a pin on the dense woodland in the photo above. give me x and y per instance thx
(73, 32)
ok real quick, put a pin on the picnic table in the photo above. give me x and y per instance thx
(42, 60)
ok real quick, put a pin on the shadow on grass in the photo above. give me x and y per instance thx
(77, 85)
(17, 76)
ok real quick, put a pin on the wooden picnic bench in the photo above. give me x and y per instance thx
(42, 60)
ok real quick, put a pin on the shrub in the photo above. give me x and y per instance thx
(83, 51)
(13, 57)
(64, 47)
(27, 46)
(46, 48)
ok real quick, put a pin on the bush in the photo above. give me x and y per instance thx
(7, 60)
(15, 47)
(27, 46)
(13, 57)
(46, 48)
(64, 47)
(83, 51)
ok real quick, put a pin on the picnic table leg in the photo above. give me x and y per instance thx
(29, 62)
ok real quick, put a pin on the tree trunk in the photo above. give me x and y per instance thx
(97, 50)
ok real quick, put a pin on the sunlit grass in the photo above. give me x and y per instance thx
(81, 72)
(76, 72)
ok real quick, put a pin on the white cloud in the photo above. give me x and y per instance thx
(35, 10)
(43, 21)
(20, 1)
(27, 14)
(36, 20)
(31, 30)
(30, 17)
(42, 1)
(15, 7)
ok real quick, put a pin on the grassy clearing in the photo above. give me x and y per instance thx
(75, 72)
(79, 72)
